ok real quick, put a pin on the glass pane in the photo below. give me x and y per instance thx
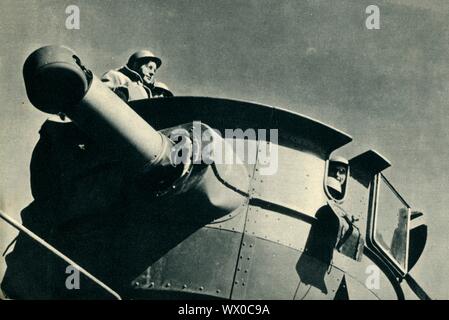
(391, 229)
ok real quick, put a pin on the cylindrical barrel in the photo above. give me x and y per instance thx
(106, 118)
(56, 81)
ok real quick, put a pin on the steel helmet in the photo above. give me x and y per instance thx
(338, 159)
(144, 55)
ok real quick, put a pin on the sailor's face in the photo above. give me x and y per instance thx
(147, 72)
(339, 173)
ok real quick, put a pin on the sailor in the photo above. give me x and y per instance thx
(136, 79)
(337, 177)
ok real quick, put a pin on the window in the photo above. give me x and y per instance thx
(390, 221)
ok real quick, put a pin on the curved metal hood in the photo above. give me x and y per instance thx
(223, 114)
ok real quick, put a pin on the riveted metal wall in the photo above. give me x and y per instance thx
(274, 234)
(234, 221)
(277, 227)
(356, 204)
(297, 183)
(265, 270)
(358, 291)
(325, 290)
(202, 264)
(303, 172)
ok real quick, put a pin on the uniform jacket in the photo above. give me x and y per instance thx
(127, 83)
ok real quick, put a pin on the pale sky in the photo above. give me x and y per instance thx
(387, 88)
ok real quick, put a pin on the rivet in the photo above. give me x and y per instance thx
(236, 282)
(243, 284)
(151, 284)
(238, 269)
(244, 244)
(250, 245)
(249, 258)
(168, 285)
(201, 288)
(137, 283)
(218, 291)
(246, 271)
(241, 257)
(184, 286)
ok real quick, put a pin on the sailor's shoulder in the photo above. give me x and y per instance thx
(115, 75)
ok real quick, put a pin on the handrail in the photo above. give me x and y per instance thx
(58, 253)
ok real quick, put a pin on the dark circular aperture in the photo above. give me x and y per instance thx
(57, 86)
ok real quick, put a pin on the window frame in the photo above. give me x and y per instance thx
(399, 270)
(326, 190)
